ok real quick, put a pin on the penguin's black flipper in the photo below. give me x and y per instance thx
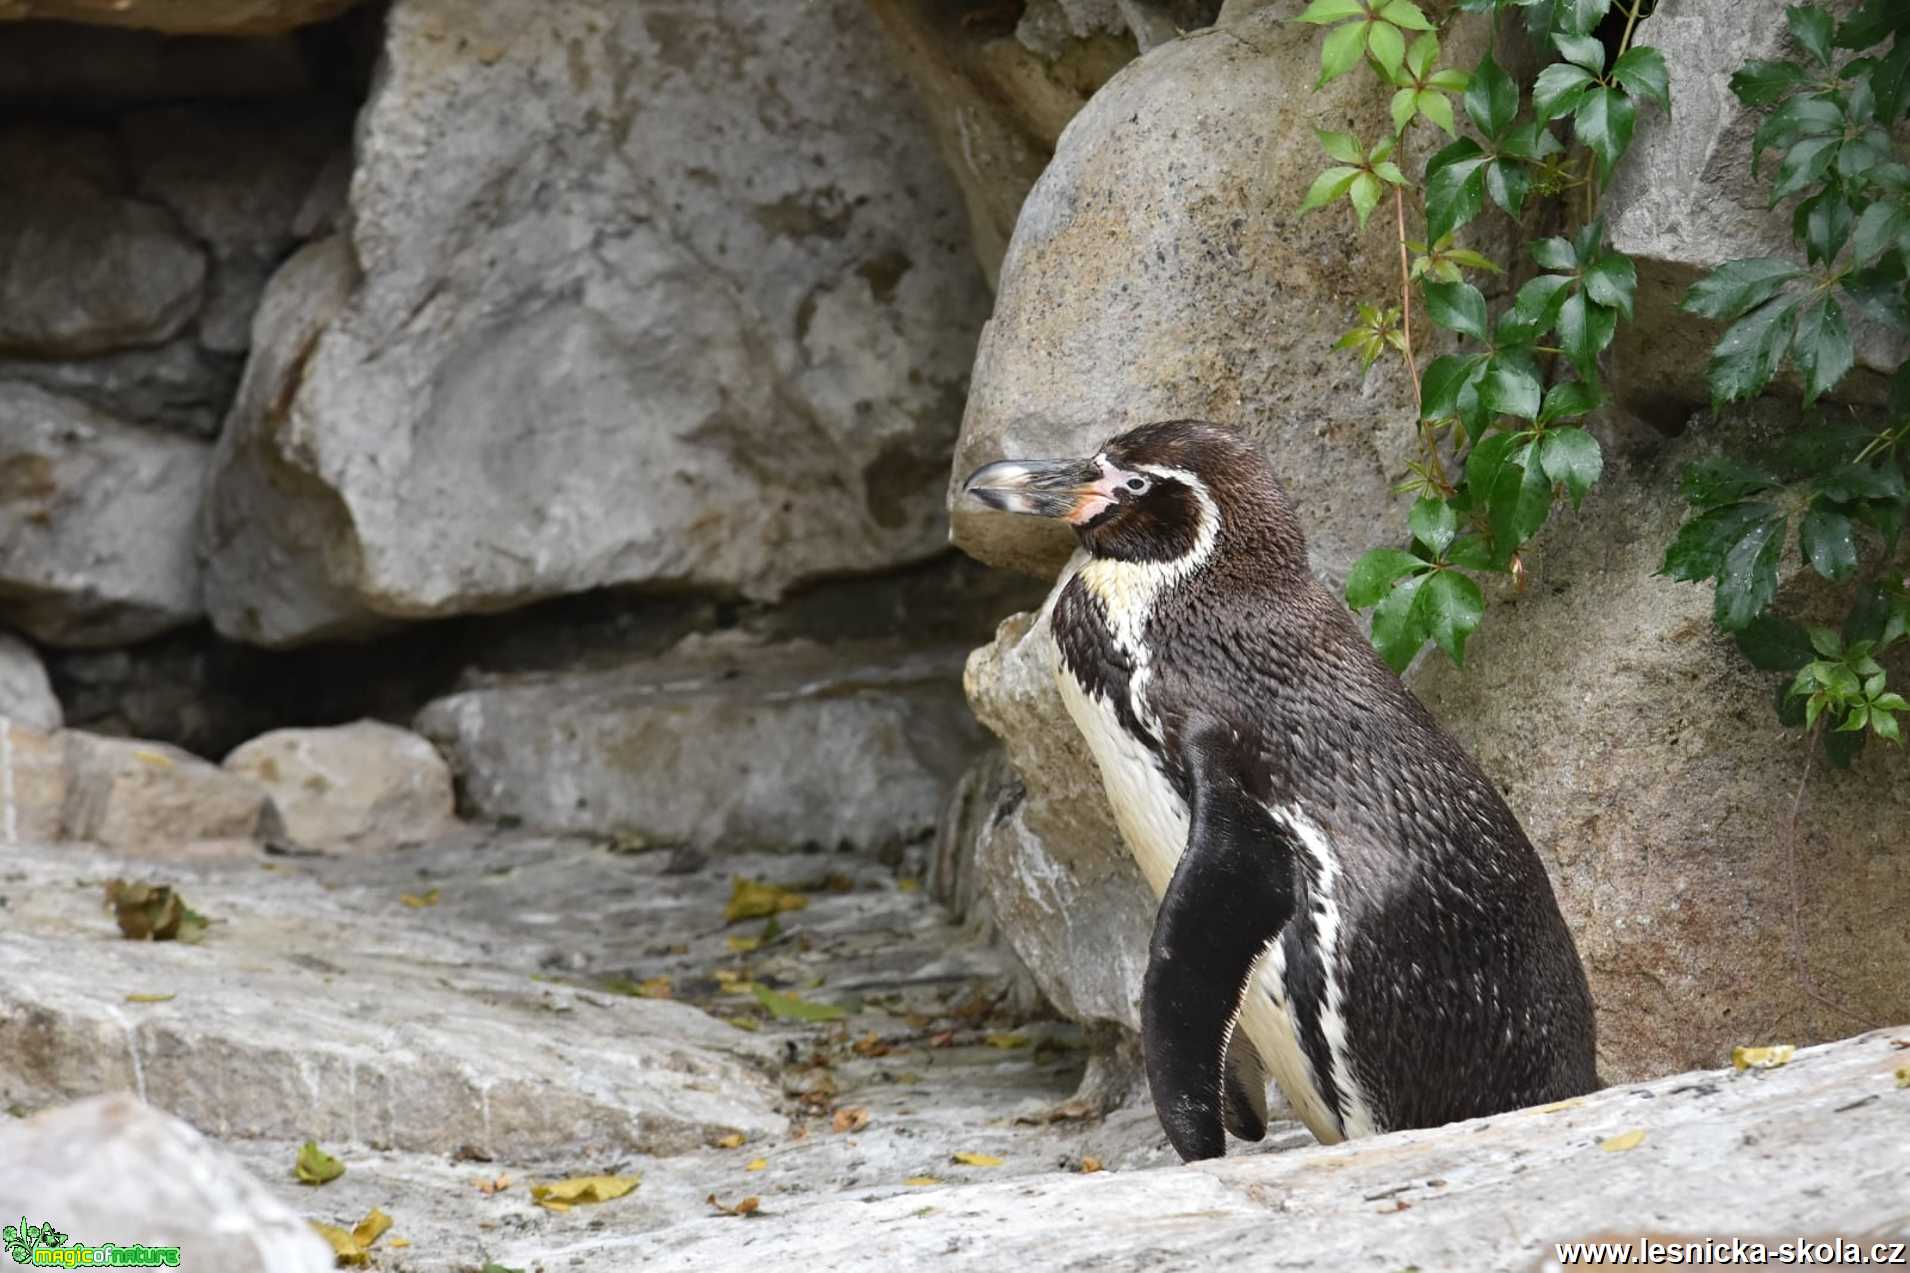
(1230, 896)
(1244, 1108)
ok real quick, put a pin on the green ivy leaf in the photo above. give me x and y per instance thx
(1748, 580)
(1811, 115)
(1804, 164)
(1555, 254)
(1328, 186)
(1879, 229)
(1455, 187)
(1520, 502)
(1398, 631)
(1822, 347)
(1571, 455)
(1433, 524)
(1581, 50)
(1737, 286)
(1440, 385)
(1584, 331)
(1405, 14)
(1433, 104)
(1773, 643)
(1458, 307)
(1751, 350)
(1492, 99)
(1535, 308)
(1341, 146)
(1611, 280)
(1698, 550)
(1508, 389)
(1762, 83)
(1722, 480)
(1340, 51)
(1811, 28)
(1323, 11)
(1569, 398)
(1485, 460)
(1559, 89)
(1603, 123)
(1642, 73)
(1387, 46)
(1373, 575)
(1823, 222)
(1829, 543)
(1449, 607)
(1506, 184)
(1364, 194)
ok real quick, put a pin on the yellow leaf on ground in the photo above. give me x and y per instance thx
(977, 1160)
(418, 901)
(909, 884)
(744, 1023)
(793, 1007)
(1559, 1106)
(851, 1118)
(1903, 1076)
(649, 988)
(732, 1141)
(756, 1164)
(1007, 1040)
(743, 1208)
(757, 899)
(314, 1166)
(158, 760)
(1622, 1141)
(742, 945)
(165, 998)
(344, 1249)
(919, 1181)
(371, 1228)
(399, 1242)
(871, 1044)
(153, 912)
(1763, 1058)
(1090, 1165)
(562, 1195)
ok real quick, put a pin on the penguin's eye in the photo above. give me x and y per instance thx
(1136, 484)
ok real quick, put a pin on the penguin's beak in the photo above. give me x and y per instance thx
(1074, 491)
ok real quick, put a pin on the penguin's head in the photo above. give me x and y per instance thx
(1168, 493)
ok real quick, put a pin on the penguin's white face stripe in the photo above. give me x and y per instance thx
(1356, 1117)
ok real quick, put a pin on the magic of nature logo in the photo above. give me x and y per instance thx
(43, 1246)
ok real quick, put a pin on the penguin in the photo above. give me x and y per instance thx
(1347, 904)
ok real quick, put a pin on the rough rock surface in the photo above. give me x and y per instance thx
(97, 523)
(726, 264)
(184, 17)
(1640, 752)
(1161, 268)
(351, 786)
(32, 784)
(1062, 886)
(112, 1169)
(146, 797)
(25, 694)
(1684, 201)
(722, 743)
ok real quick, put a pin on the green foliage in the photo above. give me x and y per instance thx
(1838, 492)
(1511, 399)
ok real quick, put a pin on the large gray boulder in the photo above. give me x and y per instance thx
(26, 695)
(1640, 751)
(1685, 201)
(671, 295)
(721, 744)
(1162, 269)
(114, 1169)
(358, 786)
(97, 523)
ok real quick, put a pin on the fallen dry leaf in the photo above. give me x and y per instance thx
(165, 998)
(757, 899)
(371, 1228)
(756, 1164)
(354, 1247)
(1007, 1040)
(649, 988)
(153, 912)
(946, 1039)
(418, 901)
(1763, 1058)
(562, 1195)
(314, 1166)
(1559, 1106)
(743, 1208)
(1623, 1141)
(920, 1181)
(851, 1118)
(1903, 1076)
(976, 1160)
(744, 1023)
(871, 1045)
(793, 1007)
(732, 1141)
(909, 884)
(494, 1186)
(399, 1242)
(1090, 1165)
(742, 945)
(1067, 1111)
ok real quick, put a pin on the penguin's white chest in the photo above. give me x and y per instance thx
(1154, 821)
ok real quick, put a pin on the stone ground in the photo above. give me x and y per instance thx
(490, 1033)
(494, 1034)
